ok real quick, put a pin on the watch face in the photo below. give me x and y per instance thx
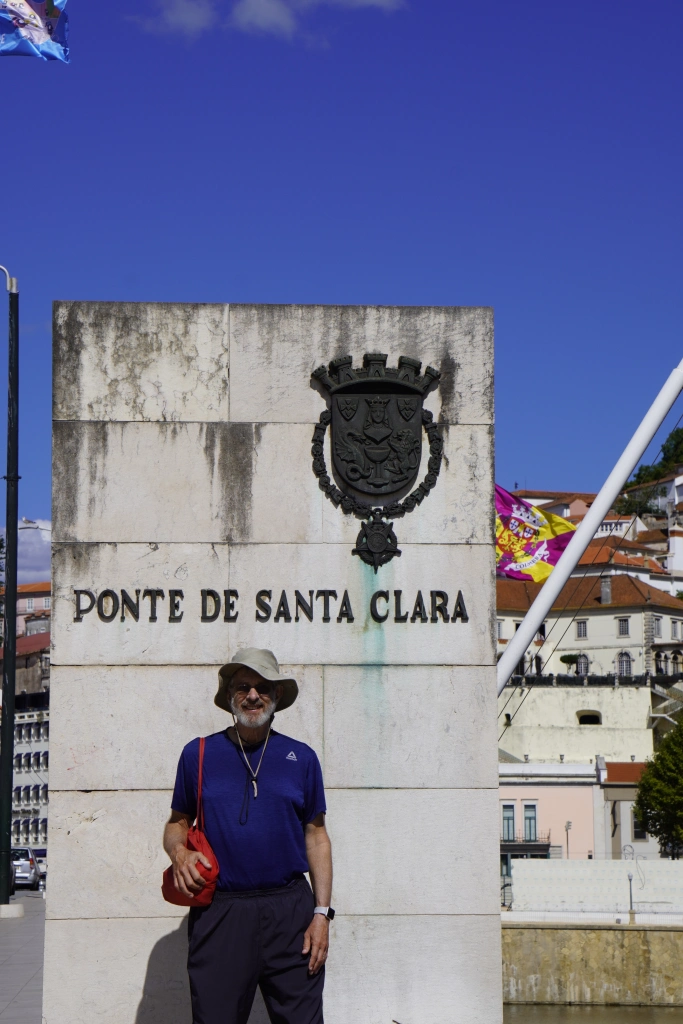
(330, 914)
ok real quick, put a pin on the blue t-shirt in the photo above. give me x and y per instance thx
(258, 841)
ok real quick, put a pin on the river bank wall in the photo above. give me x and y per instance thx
(637, 965)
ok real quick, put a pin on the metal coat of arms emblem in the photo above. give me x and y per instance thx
(376, 419)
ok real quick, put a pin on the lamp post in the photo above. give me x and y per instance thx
(631, 918)
(567, 826)
(10, 637)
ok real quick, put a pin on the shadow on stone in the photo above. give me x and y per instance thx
(166, 992)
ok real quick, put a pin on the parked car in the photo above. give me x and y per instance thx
(41, 857)
(26, 867)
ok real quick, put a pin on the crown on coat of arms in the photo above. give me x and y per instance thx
(527, 515)
(341, 372)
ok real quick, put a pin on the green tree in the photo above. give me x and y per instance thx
(659, 803)
(672, 456)
(569, 659)
(636, 504)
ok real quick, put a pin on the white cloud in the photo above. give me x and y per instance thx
(185, 17)
(274, 16)
(34, 551)
(277, 17)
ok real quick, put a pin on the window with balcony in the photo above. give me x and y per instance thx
(622, 627)
(35, 795)
(43, 795)
(27, 762)
(530, 823)
(581, 629)
(508, 823)
(18, 762)
(16, 795)
(47, 602)
(45, 731)
(624, 663)
(46, 760)
(36, 761)
(26, 796)
(29, 604)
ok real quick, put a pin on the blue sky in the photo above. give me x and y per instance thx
(526, 156)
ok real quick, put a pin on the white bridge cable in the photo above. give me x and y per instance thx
(588, 527)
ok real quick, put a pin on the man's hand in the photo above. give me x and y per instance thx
(317, 942)
(186, 876)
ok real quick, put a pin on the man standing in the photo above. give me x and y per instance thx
(264, 816)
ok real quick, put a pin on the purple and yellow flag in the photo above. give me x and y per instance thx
(34, 28)
(529, 541)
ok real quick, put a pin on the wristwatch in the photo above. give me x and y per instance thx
(327, 911)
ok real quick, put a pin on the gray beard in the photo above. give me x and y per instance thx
(248, 721)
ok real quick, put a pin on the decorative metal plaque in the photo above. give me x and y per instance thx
(376, 419)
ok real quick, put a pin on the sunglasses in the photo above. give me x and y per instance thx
(263, 689)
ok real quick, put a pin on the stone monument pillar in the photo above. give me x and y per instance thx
(215, 471)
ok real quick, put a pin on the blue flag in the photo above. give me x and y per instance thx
(34, 28)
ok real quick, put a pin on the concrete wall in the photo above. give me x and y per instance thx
(182, 439)
(592, 964)
(546, 724)
(597, 886)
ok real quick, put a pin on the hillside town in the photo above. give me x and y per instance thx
(600, 686)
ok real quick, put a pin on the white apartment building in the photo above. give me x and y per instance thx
(31, 770)
(616, 625)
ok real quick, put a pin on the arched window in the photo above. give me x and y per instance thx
(538, 664)
(589, 717)
(659, 664)
(675, 663)
(624, 664)
(582, 665)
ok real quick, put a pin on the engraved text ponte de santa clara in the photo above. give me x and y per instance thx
(327, 605)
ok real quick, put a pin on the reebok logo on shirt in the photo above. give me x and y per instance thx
(291, 756)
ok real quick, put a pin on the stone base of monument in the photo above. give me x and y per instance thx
(213, 467)
(10, 910)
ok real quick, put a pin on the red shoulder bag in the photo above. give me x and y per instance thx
(196, 840)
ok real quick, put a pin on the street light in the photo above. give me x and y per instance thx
(630, 897)
(11, 534)
(567, 826)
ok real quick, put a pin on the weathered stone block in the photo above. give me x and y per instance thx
(210, 482)
(416, 851)
(261, 568)
(274, 349)
(140, 361)
(379, 720)
(371, 977)
(124, 727)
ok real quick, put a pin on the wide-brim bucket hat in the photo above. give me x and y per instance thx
(265, 664)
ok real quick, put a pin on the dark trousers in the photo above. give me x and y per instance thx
(245, 939)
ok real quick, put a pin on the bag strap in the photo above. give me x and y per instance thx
(200, 808)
